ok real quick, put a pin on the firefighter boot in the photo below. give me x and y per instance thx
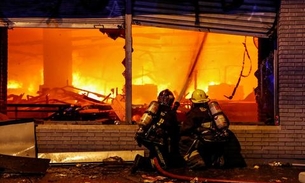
(141, 162)
(137, 163)
(218, 161)
(194, 160)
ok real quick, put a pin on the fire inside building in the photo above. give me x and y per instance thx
(66, 70)
(62, 74)
(69, 61)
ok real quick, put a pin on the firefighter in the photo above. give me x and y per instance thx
(158, 131)
(201, 134)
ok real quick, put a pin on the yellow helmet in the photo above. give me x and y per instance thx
(199, 96)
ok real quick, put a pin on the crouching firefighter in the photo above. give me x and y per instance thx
(159, 132)
(203, 133)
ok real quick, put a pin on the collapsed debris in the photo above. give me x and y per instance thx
(23, 165)
(75, 104)
(63, 104)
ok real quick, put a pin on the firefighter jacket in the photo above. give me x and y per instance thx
(195, 118)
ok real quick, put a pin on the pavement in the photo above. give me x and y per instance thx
(120, 173)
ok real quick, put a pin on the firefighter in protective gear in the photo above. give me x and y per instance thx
(198, 144)
(159, 132)
(199, 96)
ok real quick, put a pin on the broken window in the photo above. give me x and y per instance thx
(85, 66)
(265, 74)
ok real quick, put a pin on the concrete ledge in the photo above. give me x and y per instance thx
(82, 157)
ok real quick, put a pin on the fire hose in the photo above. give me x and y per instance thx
(200, 179)
(190, 74)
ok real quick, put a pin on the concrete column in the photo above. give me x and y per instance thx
(57, 58)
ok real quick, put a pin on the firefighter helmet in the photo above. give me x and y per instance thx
(199, 96)
(166, 97)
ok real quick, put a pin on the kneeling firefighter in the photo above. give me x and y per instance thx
(159, 132)
(203, 133)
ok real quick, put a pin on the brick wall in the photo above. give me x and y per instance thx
(291, 39)
(258, 143)
(82, 138)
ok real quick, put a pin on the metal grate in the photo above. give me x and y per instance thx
(252, 17)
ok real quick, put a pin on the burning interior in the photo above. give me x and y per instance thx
(77, 74)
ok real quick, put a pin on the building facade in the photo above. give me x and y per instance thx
(283, 142)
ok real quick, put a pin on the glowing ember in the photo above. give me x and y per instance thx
(14, 84)
(88, 84)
